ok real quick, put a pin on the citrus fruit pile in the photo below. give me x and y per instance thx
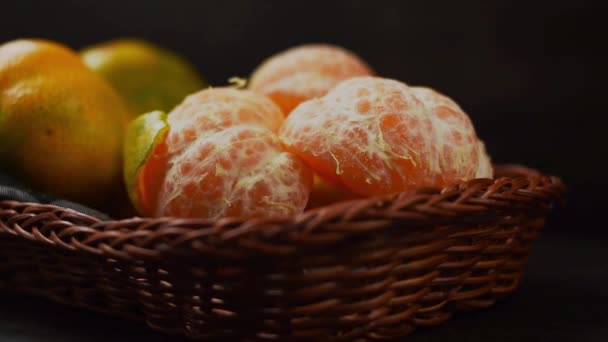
(315, 125)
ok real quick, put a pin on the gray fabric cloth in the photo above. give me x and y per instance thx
(10, 189)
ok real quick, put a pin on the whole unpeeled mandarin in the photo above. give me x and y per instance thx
(376, 136)
(147, 76)
(61, 125)
(305, 72)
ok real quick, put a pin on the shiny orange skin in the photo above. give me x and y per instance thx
(61, 125)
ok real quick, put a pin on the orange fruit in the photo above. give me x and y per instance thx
(305, 72)
(216, 154)
(147, 76)
(376, 136)
(61, 125)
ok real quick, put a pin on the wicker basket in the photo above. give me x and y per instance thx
(366, 269)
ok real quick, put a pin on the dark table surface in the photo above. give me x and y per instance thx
(563, 298)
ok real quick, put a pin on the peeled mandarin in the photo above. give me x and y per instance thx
(376, 136)
(368, 134)
(219, 156)
(305, 72)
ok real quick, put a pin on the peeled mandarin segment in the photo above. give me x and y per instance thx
(280, 187)
(367, 134)
(145, 159)
(305, 72)
(239, 171)
(456, 141)
(215, 109)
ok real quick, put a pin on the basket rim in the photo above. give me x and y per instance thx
(515, 190)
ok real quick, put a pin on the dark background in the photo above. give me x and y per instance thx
(527, 72)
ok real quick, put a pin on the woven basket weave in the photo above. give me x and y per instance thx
(366, 269)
